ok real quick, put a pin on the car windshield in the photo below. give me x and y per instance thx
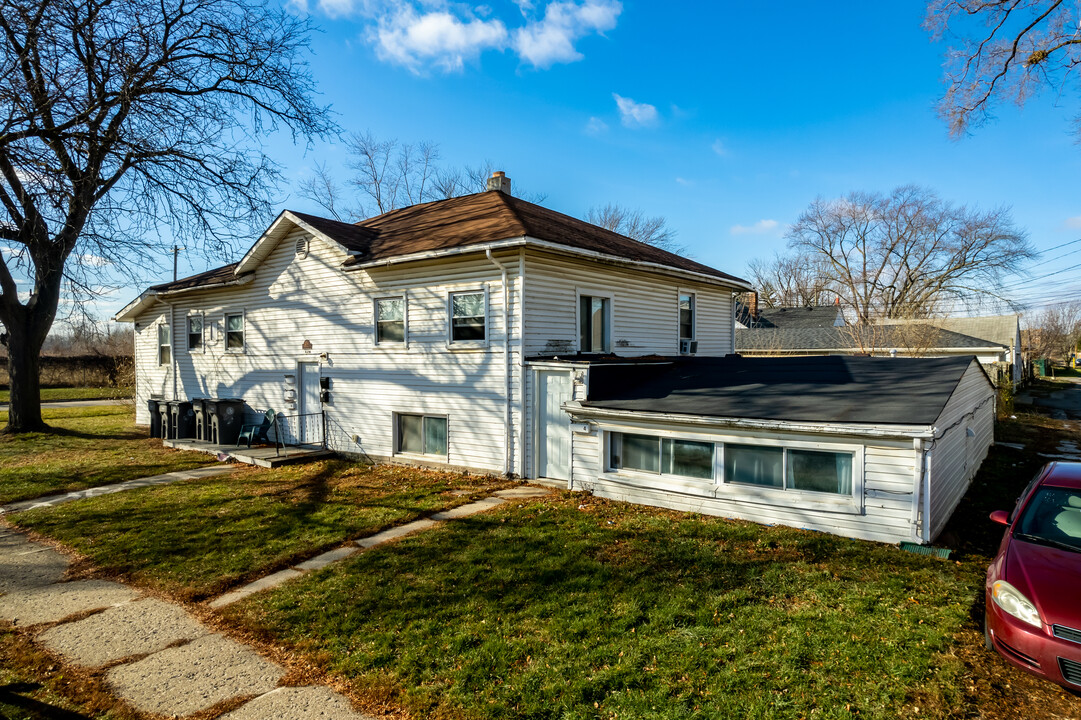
(1053, 517)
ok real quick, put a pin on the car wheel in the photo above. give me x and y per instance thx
(987, 641)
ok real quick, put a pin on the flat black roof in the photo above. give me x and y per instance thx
(826, 389)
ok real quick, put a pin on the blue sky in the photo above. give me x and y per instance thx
(727, 118)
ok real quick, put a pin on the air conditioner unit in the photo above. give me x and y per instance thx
(688, 347)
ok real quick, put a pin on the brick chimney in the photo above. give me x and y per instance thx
(752, 305)
(499, 181)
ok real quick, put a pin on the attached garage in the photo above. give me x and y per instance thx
(873, 448)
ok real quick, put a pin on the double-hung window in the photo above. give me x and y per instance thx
(390, 320)
(165, 344)
(686, 316)
(234, 332)
(467, 317)
(195, 332)
(594, 324)
(422, 434)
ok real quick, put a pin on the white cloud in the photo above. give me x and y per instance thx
(684, 182)
(719, 148)
(762, 227)
(1073, 223)
(596, 126)
(551, 40)
(437, 38)
(93, 260)
(635, 114)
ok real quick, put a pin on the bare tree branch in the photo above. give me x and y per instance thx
(635, 225)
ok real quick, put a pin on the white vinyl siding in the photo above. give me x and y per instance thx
(644, 308)
(296, 299)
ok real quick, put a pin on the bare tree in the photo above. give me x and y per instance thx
(1056, 331)
(323, 189)
(1007, 49)
(905, 254)
(123, 119)
(791, 280)
(635, 225)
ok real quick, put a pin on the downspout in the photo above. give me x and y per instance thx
(506, 362)
(927, 494)
(917, 485)
(172, 347)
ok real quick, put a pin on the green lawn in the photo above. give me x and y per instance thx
(548, 610)
(76, 393)
(91, 446)
(197, 538)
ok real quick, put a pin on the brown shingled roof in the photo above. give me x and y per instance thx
(210, 277)
(483, 218)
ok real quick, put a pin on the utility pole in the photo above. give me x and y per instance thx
(176, 253)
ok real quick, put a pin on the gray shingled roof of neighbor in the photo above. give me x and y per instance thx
(819, 316)
(997, 329)
(844, 339)
(818, 389)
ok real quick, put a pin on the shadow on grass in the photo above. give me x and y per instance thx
(12, 695)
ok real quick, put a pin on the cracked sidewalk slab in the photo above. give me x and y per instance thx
(265, 583)
(302, 703)
(185, 680)
(51, 603)
(25, 564)
(134, 628)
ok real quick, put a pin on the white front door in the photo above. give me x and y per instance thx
(553, 425)
(308, 426)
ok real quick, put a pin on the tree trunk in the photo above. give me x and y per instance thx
(24, 410)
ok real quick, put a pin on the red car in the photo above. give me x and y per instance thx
(1033, 616)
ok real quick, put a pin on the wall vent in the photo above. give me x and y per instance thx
(302, 247)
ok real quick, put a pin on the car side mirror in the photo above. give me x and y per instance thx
(1001, 517)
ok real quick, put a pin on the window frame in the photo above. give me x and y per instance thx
(609, 318)
(718, 487)
(202, 332)
(397, 435)
(680, 294)
(476, 343)
(243, 332)
(404, 342)
(168, 336)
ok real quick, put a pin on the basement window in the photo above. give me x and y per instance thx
(664, 456)
(422, 434)
(789, 468)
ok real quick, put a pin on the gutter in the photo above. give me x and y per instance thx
(155, 294)
(878, 431)
(506, 363)
(555, 248)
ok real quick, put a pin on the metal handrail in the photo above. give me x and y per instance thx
(278, 434)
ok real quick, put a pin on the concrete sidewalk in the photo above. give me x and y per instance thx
(159, 658)
(162, 660)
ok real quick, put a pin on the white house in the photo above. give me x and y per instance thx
(464, 333)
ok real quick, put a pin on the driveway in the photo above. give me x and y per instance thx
(1064, 403)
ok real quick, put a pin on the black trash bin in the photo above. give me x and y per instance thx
(199, 409)
(166, 421)
(181, 419)
(155, 418)
(225, 416)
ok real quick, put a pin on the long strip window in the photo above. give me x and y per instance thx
(686, 316)
(595, 332)
(779, 468)
(234, 332)
(422, 434)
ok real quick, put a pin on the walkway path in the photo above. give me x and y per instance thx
(156, 656)
(52, 500)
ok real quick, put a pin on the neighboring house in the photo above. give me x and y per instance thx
(487, 333)
(996, 341)
(790, 318)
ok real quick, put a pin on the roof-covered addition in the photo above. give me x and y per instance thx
(912, 337)
(822, 389)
